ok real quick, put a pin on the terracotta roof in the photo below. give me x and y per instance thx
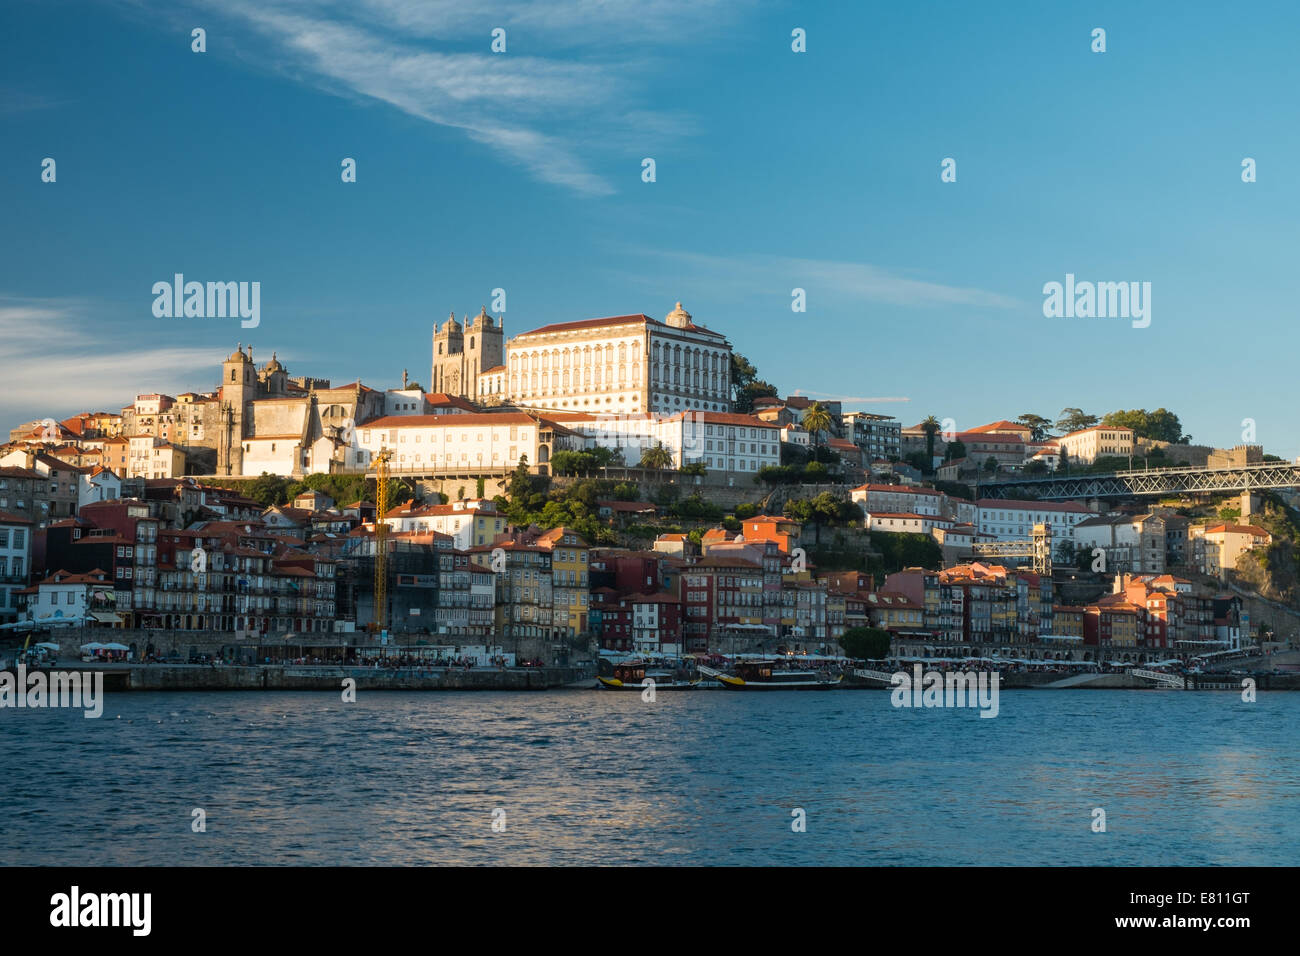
(725, 418)
(897, 489)
(450, 421)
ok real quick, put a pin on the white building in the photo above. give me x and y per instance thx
(64, 595)
(1008, 520)
(151, 457)
(721, 441)
(906, 522)
(1131, 543)
(1087, 445)
(100, 484)
(899, 498)
(470, 523)
(622, 364)
(448, 444)
(405, 401)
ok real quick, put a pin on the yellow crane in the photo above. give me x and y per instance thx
(381, 533)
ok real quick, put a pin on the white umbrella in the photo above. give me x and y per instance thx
(92, 646)
(116, 647)
(48, 645)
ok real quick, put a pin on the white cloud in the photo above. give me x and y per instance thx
(827, 280)
(56, 366)
(565, 90)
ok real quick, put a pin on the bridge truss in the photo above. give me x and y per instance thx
(1155, 481)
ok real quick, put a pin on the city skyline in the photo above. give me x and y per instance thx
(522, 171)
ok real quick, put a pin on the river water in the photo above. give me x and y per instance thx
(704, 777)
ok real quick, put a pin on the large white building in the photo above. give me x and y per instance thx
(1089, 444)
(621, 364)
(1007, 520)
(899, 498)
(721, 441)
(451, 444)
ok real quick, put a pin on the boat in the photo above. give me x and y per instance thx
(632, 675)
(764, 675)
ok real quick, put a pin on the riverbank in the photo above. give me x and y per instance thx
(328, 677)
(185, 677)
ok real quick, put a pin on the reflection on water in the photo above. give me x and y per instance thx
(704, 777)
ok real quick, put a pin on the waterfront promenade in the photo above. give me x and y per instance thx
(328, 677)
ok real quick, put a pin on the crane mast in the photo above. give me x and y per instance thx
(381, 534)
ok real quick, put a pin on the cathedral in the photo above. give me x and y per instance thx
(461, 356)
(267, 421)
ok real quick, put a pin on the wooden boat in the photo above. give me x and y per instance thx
(633, 674)
(764, 675)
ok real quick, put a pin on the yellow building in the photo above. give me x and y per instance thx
(570, 588)
(1067, 621)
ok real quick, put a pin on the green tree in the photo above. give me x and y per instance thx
(990, 465)
(1160, 425)
(817, 420)
(521, 482)
(955, 451)
(657, 458)
(1073, 420)
(1039, 426)
(746, 385)
(480, 488)
(865, 643)
(931, 428)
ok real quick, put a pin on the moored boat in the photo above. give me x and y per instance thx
(764, 675)
(633, 675)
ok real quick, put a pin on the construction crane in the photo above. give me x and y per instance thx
(381, 533)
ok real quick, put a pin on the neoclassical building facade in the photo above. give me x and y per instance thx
(621, 364)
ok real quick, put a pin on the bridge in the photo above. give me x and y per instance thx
(1153, 481)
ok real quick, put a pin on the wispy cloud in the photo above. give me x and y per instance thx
(848, 399)
(56, 365)
(22, 101)
(566, 89)
(841, 282)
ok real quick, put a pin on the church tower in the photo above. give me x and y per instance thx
(448, 352)
(238, 387)
(484, 349)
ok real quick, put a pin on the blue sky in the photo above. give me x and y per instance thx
(775, 170)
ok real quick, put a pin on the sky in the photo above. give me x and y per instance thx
(775, 170)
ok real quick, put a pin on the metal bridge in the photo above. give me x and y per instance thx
(1154, 481)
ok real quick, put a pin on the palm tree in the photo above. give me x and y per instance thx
(657, 458)
(816, 420)
(931, 428)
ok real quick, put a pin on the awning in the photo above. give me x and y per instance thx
(106, 617)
